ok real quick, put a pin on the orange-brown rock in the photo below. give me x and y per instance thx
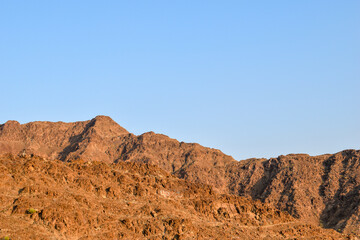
(102, 139)
(50, 199)
(324, 190)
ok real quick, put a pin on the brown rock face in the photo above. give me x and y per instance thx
(42, 199)
(58, 140)
(324, 190)
(103, 139)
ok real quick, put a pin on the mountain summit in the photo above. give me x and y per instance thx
(102, 139)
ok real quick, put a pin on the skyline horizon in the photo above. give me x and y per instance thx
(235, 158)
(254, 79)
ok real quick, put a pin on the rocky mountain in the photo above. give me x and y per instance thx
(103, 139)
(50, 199)
(322, 189)
(313, 189)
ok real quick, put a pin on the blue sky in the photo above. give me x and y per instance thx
(252, 78)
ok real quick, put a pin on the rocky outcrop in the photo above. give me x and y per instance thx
(59, 140)
(102, 139)
(323, 189)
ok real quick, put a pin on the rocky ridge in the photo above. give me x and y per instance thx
(313, 189)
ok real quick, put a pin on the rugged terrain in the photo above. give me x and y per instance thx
(313, 189)
(103, 139)
(42, 199)
(323, 189)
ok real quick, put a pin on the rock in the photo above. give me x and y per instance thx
(313, 189)
(76, 208)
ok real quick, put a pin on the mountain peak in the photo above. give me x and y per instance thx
(10, 127)
(12, 122)
(102, 118)
(106, 126)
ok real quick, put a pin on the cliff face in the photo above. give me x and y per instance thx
(314, 189)
(323, 189)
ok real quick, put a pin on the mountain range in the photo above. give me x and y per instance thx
(315, 192)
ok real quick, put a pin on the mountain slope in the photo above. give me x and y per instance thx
(315, 189)
(42, 199)
(103, 139)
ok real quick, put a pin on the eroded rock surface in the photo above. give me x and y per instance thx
(323, 190)
(50, 199)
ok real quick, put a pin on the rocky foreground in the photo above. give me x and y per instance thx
(322, 190)
(43, 199)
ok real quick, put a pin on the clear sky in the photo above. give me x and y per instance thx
(252, 78)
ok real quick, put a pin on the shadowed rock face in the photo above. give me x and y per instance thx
(322, 189)
(314, 189)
